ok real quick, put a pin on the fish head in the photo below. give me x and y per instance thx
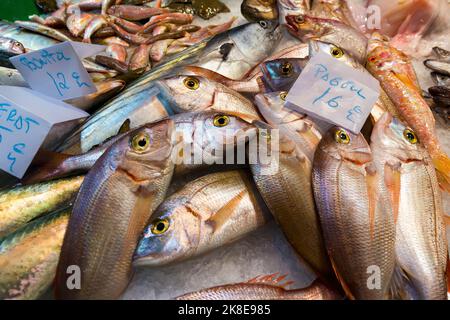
(396, 141)
(280, 74)
(143, 153)
(343, 145)
(16, 47)
(272, 106)
(306, 27)
(316, 46)
(173, 232)
(223, 130)
(186, 93)
(255, 10)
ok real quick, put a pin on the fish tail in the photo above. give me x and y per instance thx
(442, 164)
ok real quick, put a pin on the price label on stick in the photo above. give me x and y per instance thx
(57, 71)
(335, 92)
(26, 118)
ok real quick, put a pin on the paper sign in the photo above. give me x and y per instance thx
(334, 92)
(57, 71)
(26, 117)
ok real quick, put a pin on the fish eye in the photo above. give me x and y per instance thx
(300, 19)
(191, 83)
(410, 136)
(337, 52)
(221, 121)
(286, 68)
(283, 95)
(341, 136)
(263, 24)
(140, 142)
(159, 226)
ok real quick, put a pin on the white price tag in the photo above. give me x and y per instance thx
(334, 92)
(26, 117)
(57, 71)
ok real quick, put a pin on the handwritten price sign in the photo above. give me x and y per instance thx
(26, 118)
(334, 92)
(57, 71)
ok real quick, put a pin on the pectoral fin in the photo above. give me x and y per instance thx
(392, 180)
(223, 214)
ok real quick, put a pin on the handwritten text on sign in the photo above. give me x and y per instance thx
(56, 71)
(16, 126)
(334, 92)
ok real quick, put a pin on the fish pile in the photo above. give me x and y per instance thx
(127, 188)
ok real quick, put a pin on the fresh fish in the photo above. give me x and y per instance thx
(236, 52)
(336, 10)
(9, 48)
(86, 5)
(421, 244)
(177, 94)
(206, 9)
(106, 4)
(171, 17)
(440, 66)
(22, 204)
(113, 40)
(442, 54)
(44, 30)
(104, 32)
(396, 75)
(130, 180)
(111, 63)
(105, 91)
(225, 206)
(31, 41)
(140, 60)
(356, 215)
(117, 51)
(306, 27)
(126, 25)
(77, 23)
(256, 10)
(285, 185)
(28, 257)
(113, 205)
(94, 25)
(11, 77)
(270, 287)
(46, 5)
(280, 74)
(135, 102)
(159, 49)
(135, 13)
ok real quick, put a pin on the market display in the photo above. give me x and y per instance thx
(194, 143)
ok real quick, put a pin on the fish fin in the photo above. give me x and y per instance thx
(46, 165)
(271, 279)
(399, 284)
(392, 180)
(218, 219)
(371, 182)
(125, 127)
(344, 285)
(442, 164)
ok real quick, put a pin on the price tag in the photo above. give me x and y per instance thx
(26, 118)
(57, 71)
(334, 92)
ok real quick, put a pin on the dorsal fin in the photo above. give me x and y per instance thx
(125, 127)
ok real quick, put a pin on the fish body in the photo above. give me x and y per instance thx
(22, 204)
(29, 256)
(396, 75)
(264, 288)
(30, 40)
(44, 30)
(77, 23)
(285, 185)
(224, 206)
(9, 48)
(292, 7)
(113, 205)
(356, 215)
(135, 13)
(420, 245)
